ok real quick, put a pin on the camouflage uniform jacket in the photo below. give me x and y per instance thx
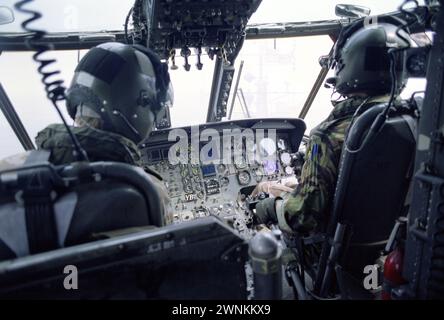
(307, 208)
(100, 146)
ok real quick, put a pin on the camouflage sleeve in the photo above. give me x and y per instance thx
(306, 207)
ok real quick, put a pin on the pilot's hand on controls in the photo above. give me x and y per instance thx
(273, 188)
(266, 211)
(271, 210)
(292, 185)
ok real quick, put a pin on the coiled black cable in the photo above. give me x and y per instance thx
(55, 91)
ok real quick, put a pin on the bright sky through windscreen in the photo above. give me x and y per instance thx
(277, 77)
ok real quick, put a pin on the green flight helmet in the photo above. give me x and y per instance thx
(362, 60)
(125, 85)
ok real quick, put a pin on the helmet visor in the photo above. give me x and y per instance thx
(169, 96)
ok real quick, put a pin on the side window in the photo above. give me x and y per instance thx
(10, 144)
(414, 86)
(321, 107)
(23, 84)
(277, 76)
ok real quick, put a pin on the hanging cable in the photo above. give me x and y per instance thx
(55, 91)
(140, 32)
(127, 20)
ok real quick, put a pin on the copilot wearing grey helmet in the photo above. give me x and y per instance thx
(115, 96)
(362, 60)
(363, 77)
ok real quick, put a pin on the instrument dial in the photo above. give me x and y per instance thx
(267, 147)
(258, 174)
(225, 181)
(184, 171)
(244, 178)
(221, 168)
(417, 65)
(241, 164)
(289, 170)
(188, 188)
(270, 167)
(196, 179)
(286, 158)
(195, 170)
(172, 166)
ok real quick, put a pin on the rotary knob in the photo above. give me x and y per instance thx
(289, 170)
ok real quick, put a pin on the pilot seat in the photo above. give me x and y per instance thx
(371, 193)
(44, 207)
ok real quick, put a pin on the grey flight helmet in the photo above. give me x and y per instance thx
(125, 85)
(362, 61)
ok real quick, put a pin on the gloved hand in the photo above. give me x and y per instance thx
(266, 211)
(271, 210)
(273, 188)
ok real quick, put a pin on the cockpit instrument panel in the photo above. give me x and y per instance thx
(210, 176)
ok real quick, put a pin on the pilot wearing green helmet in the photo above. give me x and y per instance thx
(116, 95)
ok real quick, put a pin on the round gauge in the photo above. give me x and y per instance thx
(214, 211)
(267, 147)
(286, 158)
(289, 170)
(195, 170)
(188, 188)
(221, 168)
(225, 181)
(417, 65)
(240, 163)
(270, 167)
(196, 179)
(200, 195)
(258, 174)
(244, 178)
(184, 171)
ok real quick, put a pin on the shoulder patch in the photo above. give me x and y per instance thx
(314, 152)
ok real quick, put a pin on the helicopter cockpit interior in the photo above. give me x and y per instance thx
(248, 91)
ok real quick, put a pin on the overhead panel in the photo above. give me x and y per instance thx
(216, 26)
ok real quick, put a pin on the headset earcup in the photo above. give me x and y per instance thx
(160, 69)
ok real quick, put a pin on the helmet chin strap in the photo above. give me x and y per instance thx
(334, 102)
(330, 83)
(129, 125)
